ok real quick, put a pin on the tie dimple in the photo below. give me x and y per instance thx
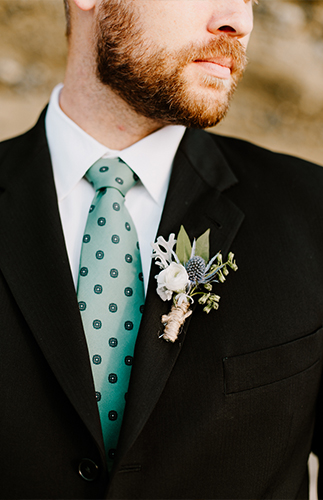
(110, 292)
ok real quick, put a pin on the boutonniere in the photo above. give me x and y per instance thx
(186, 273)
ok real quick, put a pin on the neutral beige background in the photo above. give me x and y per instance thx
(278, 105)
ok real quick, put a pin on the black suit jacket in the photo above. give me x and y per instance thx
(229, 410)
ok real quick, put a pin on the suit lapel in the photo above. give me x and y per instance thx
(195, 200)
(34, 261)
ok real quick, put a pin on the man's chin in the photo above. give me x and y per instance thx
(206, 107)
(200, 117)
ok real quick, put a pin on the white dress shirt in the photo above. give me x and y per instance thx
(73, 152)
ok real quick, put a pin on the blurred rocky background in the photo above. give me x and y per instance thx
(279, 104)
(32, 58)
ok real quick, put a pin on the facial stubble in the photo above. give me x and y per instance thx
(153, 81)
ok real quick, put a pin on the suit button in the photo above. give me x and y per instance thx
(88, 470)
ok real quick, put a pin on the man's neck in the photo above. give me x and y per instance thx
(102, 113)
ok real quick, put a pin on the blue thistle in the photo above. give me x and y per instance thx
(195, 268)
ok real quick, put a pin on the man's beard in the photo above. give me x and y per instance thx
(152, 81)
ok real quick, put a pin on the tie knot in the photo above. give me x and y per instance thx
(111, 172)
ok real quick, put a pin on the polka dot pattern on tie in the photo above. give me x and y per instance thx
(110, 292)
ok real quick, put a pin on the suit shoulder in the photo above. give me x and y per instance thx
(12, 144)
(6, 144)
(248, 159)
(24, 145)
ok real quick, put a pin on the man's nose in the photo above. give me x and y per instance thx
(234, 17)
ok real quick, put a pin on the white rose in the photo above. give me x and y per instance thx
(172, 279)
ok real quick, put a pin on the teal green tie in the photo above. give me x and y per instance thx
(110, 292)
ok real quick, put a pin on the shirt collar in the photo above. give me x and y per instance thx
(73, 152)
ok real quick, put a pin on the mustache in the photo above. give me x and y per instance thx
(221, 47)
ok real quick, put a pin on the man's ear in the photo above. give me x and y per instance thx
(85, 4)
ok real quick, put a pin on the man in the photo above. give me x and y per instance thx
(229, 409)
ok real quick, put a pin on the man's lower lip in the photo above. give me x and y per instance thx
(215, 69)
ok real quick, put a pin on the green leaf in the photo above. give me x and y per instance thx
(183, 246)
(203, 246)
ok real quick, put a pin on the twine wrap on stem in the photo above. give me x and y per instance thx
(175, 319)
